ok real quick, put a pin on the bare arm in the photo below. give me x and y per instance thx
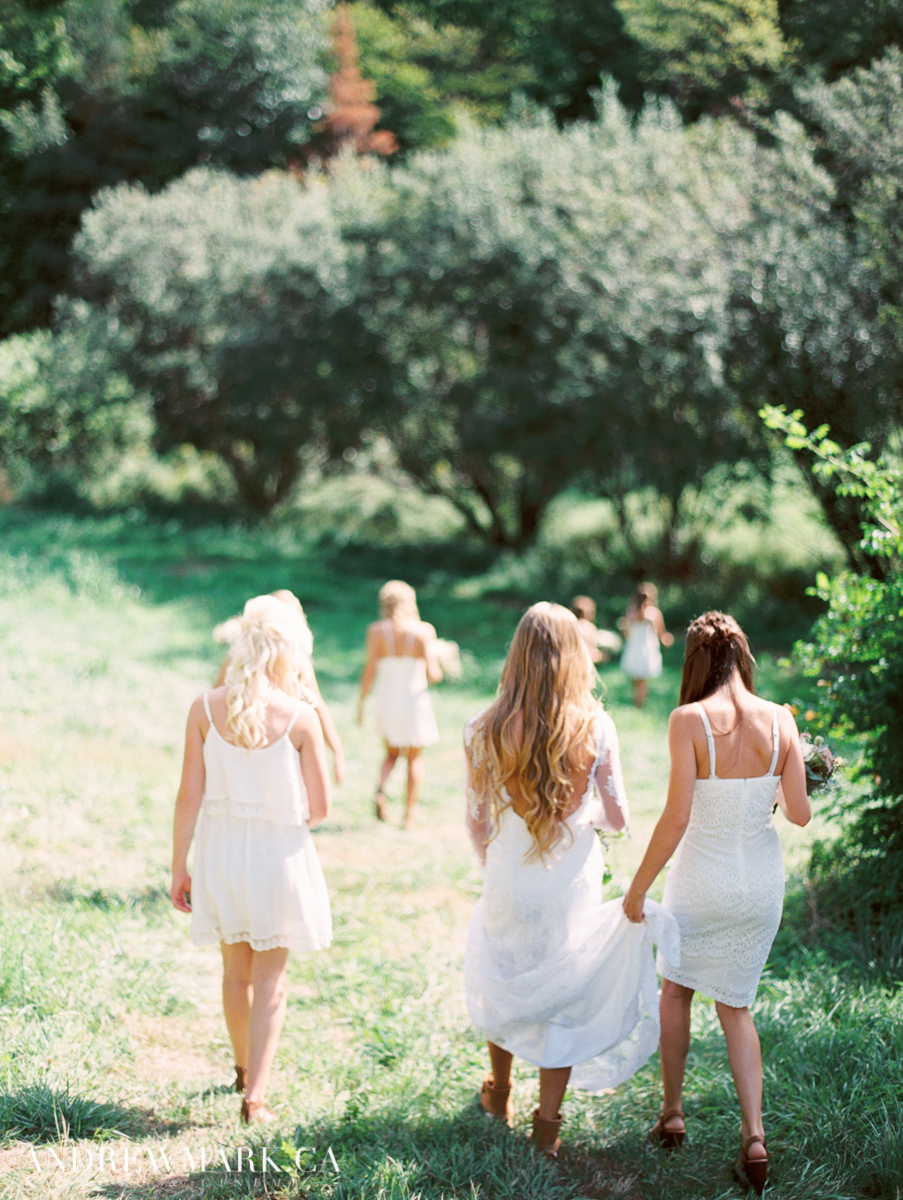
(792, 795)
(327, 725)
(675, 815)
(433, 666)
(369, 672)
(188, 804)
(658, 622)
(313, 766)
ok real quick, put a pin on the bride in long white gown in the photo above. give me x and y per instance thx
(552, 973)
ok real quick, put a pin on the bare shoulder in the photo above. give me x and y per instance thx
(683, 718)
(786, 722)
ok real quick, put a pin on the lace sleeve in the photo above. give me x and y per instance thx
(476, 807)
(612, 813)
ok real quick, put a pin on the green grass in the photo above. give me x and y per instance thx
(111, 1035)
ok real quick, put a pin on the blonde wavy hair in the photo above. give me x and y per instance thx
(398, 599)
(547, 682)
(271, 646)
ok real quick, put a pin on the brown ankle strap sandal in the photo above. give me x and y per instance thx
(496, 1101)
(752, 1171)
(668, 1139)
(545, 1133)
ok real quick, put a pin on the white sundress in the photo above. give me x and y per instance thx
(255, 876)
(403, 710)
(551, 972)
(725, 885)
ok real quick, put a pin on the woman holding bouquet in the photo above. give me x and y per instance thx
(734, 757)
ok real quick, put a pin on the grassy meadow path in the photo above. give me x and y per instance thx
(113, 1051)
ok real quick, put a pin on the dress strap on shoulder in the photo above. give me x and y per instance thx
(291, 725)
(709, 738)
(207, 707)
(775, 739)
(409, 638)
(389, 638)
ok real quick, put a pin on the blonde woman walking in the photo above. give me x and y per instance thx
(401, 664)
(551, 973)
(254, 782)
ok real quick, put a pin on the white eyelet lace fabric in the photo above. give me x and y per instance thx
(725, 887)
(551, 972)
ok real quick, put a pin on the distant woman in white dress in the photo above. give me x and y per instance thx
(643, 627)
(254, 781)
(401, 664)
(734, 758)
(551, 973)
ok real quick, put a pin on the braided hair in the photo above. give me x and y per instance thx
(716, 646)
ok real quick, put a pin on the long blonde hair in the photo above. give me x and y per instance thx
(547, 685)
(272, 646)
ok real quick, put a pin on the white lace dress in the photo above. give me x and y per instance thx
(551, 972)
(725, 885)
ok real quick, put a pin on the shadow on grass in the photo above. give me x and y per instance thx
(460, 1155)
(41, 1114)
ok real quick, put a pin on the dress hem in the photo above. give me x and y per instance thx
(715, 994)
(280, 942)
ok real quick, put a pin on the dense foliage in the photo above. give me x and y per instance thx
(856, 652)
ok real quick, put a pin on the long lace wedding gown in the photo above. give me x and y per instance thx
(551, 972)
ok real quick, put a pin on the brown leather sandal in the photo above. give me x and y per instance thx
(545, 1137)
(240, 1079)
(255, 1111)
(496, 1101)
(668, 1139)
(752, 1171)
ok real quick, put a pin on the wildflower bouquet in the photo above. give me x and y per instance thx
(820, 762)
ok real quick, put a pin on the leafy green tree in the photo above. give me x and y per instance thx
(229, 302)
(816, 313)
(710, 55)
(64, 410)
(226, 82)
(856, 652)
(553, 303)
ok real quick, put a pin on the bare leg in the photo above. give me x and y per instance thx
(391, 758)
(639, 692)
(674, 1045)
(415, 779)
(501, 1065)
(237, 997)
(745, 1057)
(267, 1015)
(553, 1082)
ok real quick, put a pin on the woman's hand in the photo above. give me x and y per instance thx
(633, 905)
(180, 892)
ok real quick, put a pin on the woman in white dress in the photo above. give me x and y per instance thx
(254, 781)
(401, 664)
(734, 758)
(643, 627)
(551, 973)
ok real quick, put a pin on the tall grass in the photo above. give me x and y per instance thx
(111, 1033)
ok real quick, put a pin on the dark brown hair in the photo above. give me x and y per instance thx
(716, 647)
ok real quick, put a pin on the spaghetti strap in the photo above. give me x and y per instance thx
(389, 638)
(291, 725)
(775, 738)
(207, 707)
(408, 647)
(709, 739)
